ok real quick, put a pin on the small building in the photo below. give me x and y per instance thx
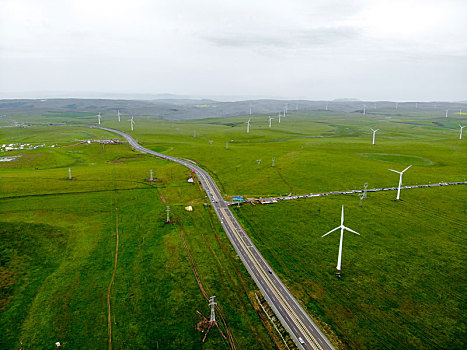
(189, 208)
(190, 180)
(237, 198)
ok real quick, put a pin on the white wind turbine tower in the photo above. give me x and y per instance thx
(364, 109)
(118, 115)
(400, 180)
(326, 106)
(447, 110)
(279, 117)
(248, 126)
(374, 134)
(342, 227)
(99, 118)
(250, 108)
(460, 135)
(270, 119)
(132, 122)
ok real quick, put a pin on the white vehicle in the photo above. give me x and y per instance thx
(301, 340)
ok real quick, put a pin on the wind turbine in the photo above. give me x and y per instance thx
(447, 110)
(326, 106)
(250, 108)
(248, 126)
(374, 134)
(118, 115)
(400, 180)
(342, 227)
(279, 117)
(460, 135)
(270, 119)
(99, 118)
(132, 122)
(364, 109)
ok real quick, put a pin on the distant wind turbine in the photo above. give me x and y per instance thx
(99, 118)
(279, 117)
(460, 135)
(342, 227)
(132, 122)
(118, 115)
(447, 110)
(270, 119)
(364, 109)
(248, 126)
(374, 134)
(400, 180)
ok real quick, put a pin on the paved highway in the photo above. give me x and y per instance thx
(303, 330)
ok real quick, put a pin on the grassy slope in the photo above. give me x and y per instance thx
(58, 241)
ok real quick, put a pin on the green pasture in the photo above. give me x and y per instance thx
(314, 152)
(403, 283)
(57, 245)
(404, 278)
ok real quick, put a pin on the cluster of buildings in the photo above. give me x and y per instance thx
(20, 146)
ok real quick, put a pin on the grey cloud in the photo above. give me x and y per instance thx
(297, 39)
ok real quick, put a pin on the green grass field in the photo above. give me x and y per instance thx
(58, 238)
(404, 278)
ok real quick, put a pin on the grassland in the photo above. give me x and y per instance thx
(404, 278)
(58, 240)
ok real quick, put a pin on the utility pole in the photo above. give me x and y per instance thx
(69, 173)
(168, 215)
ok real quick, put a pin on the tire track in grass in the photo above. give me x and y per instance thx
(201, 287)
(109, 313)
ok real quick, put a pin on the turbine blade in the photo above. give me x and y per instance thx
(338, 227)
(348, 229)
(395, 171)
(406, 168)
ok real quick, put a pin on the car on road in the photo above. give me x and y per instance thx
(301, 340)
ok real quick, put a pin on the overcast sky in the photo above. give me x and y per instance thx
(314, 49)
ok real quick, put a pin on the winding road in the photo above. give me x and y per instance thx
(301, 327)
